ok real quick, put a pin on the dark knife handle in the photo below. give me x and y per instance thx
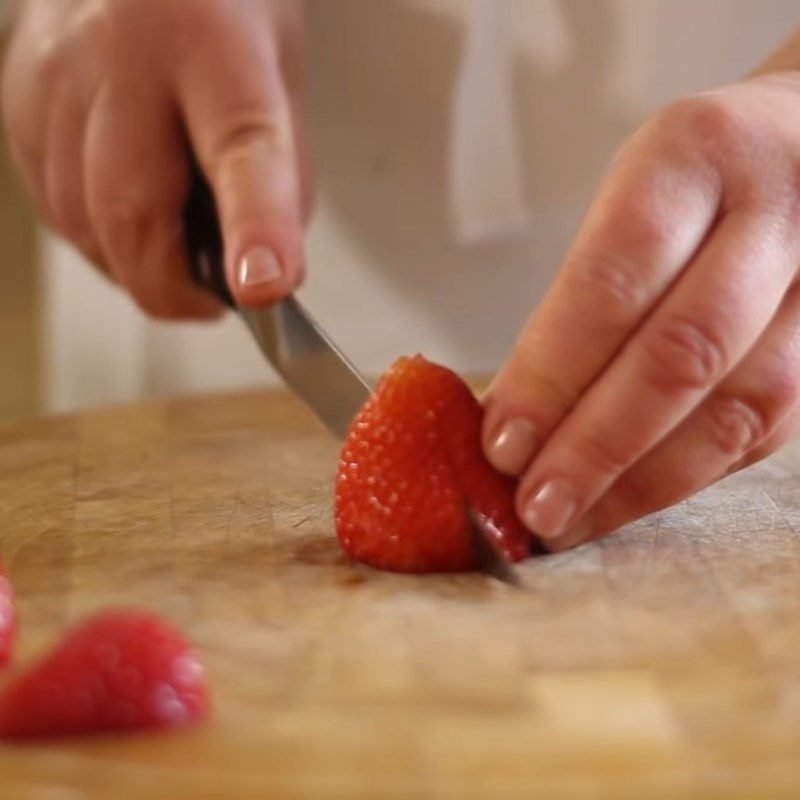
(204, 240)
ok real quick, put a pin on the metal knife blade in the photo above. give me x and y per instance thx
(309, 362)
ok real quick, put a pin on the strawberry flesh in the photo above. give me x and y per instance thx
(118, 670)
(411, 466)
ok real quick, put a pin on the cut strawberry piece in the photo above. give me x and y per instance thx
(117, 670)
(410, 468)
(8, 618)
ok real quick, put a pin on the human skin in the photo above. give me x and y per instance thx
(104, 100)
(666, 354)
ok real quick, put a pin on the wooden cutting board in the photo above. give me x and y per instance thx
(663, 662)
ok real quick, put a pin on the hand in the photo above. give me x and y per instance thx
(104, 98)
(667, 353)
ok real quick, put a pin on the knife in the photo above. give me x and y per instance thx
(313, 367)
(309, 362)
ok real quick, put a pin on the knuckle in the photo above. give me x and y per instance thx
(611, 281)
(683, 354)
(710, 120)
(243, 131)
(742, 423)
(650, 231)
(738, 425)
(603, 457)
(640, 218)
(551, 395)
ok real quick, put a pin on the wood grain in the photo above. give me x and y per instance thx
(663, 662)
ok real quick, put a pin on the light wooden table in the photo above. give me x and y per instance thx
(661, 663)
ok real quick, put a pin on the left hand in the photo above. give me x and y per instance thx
(667, 353)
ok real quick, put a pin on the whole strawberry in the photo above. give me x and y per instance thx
(8, 618)
(411, 466)
(117, 670)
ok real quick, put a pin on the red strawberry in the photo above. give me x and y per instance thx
(8, 618)
(116, 670)
(410, 467)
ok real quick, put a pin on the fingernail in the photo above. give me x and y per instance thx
(550, 511)
(259, 267)
(512, 447)
(578, 535)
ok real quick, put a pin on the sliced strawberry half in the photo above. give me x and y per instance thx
(117, 670)
(411, 466)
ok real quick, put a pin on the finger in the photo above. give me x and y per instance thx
(709, 321)
(648, 220)
(240, 123)
(137, 181)
(748, 416)
(64, 183)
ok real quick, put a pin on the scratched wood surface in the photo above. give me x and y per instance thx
(661, 663)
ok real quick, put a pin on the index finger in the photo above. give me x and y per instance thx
(240, 124)
(650, 216)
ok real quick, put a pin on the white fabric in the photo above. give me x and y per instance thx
(485, 179)
(95, 337)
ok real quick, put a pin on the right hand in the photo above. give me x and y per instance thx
(103, 99)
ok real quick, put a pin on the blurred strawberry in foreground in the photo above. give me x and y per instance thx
(410, 467)
(8, 618)
(117, 670)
